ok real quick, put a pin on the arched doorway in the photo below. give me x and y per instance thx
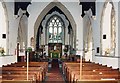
(55, 34)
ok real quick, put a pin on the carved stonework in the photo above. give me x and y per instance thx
(112, 28)
(113, 25)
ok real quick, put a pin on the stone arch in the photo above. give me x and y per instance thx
(22, 31)
(88, 39)
(101, 22)
(60, 16)
(7, 26)
(63, 9)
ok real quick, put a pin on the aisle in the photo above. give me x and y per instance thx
(54, 74)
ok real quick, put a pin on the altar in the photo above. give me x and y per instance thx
(55, 54)
(55, 50)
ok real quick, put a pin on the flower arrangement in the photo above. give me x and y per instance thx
(2, 51)
(65, 50)
(29, 49)
(107, 51)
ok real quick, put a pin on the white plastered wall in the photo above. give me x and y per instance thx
(11, 34)
(13, 27)
(109, 61)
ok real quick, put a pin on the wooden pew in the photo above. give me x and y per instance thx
(97, 81)
(43, 65)
(18, 81)
(18, 71)
(19, 77)
(100, 74)
(9, 71)
(77, 68)
(90, 71)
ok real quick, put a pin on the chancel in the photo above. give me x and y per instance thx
(62, 41)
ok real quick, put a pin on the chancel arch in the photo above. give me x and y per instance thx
(68, 38)
(64, 10)
(108, 30)
(55, 33)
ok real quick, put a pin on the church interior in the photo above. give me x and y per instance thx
(62, 41)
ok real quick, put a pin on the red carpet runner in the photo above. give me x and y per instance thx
(54, 74)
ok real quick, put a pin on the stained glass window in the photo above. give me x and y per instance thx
(55, 30)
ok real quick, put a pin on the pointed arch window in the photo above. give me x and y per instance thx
(55, 30)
